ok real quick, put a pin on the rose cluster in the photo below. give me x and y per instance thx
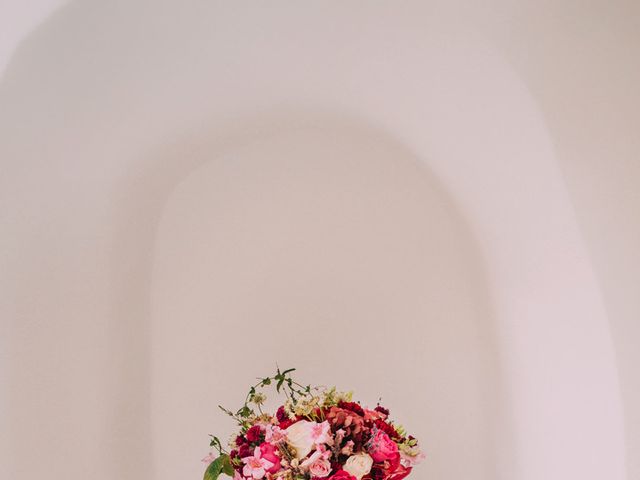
(317, 434)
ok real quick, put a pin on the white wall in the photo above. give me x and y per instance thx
(517, 114)
(582, 66)
(332, 249)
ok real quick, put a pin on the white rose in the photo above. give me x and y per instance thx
(299, 437)
(358, 465)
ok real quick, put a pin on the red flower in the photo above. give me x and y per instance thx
(400, 473)
(393, 463)
(244, 451)
(281, 414)
(377, 473)
(383, 410)
(387, 428)
(286, 424)
(253, 434)
(390, 469)
(352, 406)
(342, 475)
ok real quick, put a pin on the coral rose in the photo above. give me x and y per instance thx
(349, 421)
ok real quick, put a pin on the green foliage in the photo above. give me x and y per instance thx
(283, 382)
(215, 443)
(222, 464)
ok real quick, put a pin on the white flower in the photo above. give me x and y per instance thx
(358, 465)
(299, 436)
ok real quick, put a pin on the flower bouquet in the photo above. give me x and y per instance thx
(318, 433)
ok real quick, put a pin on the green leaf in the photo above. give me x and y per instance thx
(288, 370)
(222, 464)
(244, 412)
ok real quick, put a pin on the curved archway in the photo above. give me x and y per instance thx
(335, 249)
(446, 95)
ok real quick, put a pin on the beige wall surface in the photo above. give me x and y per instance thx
(436, 202)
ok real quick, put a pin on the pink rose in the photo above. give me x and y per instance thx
(320, 468)
(318, 463)
(268, 452)
(382, 448)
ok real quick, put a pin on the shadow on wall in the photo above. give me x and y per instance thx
(316, 244)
